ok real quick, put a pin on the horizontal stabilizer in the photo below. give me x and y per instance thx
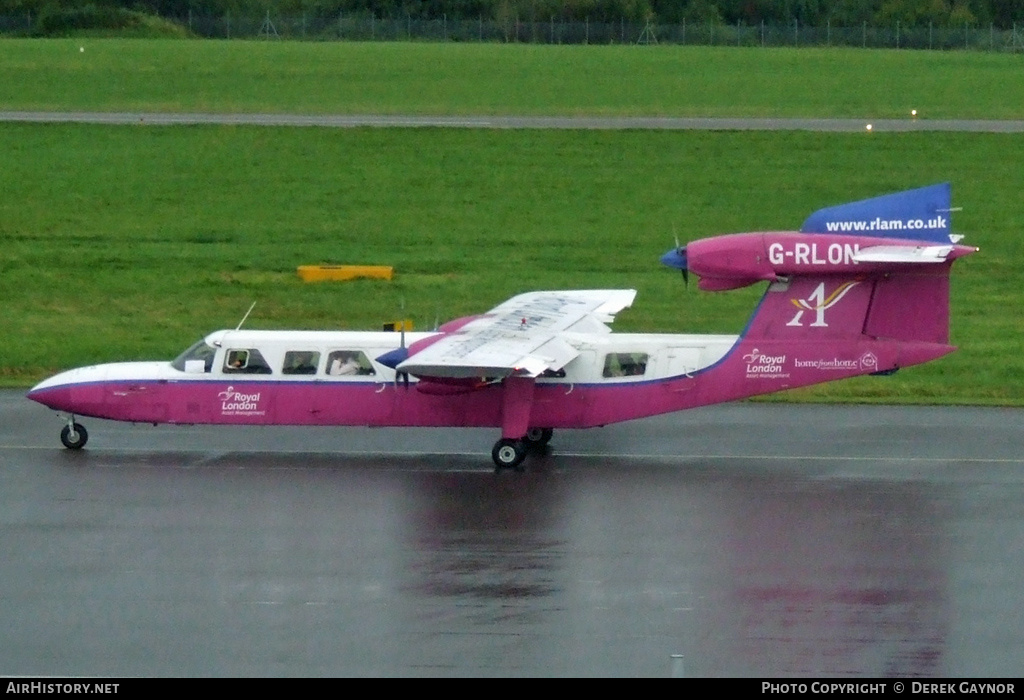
(904, 254)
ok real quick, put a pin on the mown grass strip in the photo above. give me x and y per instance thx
(499, 79)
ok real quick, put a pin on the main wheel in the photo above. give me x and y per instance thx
(74, 436)
(538, 437)
(508, 453)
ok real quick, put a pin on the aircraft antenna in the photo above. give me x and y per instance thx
(246, 316)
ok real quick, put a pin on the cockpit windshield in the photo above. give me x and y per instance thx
(197, 359)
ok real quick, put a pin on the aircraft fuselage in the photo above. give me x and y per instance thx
(616, 377)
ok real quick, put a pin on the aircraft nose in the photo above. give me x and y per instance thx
(73, 391)
(56, 397)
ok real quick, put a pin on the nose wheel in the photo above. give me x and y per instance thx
(74, 435)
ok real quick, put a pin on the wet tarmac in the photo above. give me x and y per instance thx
(759, 540)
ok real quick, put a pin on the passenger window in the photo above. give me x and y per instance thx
(625, 364)
(300, 362)
(349, 362)
(245, 362)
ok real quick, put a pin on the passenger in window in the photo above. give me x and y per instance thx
(344, 363)
(300, 362)
(635, 365)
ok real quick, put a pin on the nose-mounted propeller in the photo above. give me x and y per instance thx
(677, 258)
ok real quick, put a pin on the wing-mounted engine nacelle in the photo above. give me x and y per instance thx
(741, 259)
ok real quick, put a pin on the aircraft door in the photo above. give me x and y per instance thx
(560, 400)
(674, 361)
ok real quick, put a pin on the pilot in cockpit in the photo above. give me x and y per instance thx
(236, 361)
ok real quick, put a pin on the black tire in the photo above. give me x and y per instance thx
(508, 453)
(74, 440)
(538, 437)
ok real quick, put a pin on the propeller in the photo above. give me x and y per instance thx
(677, 258)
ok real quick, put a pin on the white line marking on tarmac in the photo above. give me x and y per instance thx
(222, 452)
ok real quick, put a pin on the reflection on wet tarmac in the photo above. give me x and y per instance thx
(746, 575)
(488, 538)
(827, 580)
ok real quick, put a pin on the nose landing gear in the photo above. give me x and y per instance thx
(74, 435)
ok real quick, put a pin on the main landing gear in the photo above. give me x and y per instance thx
(509, 453)
(74, 435)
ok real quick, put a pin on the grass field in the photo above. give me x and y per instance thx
(427, 78)
(129, 242)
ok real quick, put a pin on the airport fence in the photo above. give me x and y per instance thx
(368, 27)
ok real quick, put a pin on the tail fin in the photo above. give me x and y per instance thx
(906, 306)
(857, 289)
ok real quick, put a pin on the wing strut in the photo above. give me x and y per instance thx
(516, 403)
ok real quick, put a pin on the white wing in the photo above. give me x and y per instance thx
(520, 336)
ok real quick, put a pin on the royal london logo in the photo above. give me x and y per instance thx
(761, 366)
(819, 304)
(235, 403)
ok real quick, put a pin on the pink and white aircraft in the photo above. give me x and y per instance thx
(862, 288)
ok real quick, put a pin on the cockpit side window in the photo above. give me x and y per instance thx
(196, 360)
(245, 361)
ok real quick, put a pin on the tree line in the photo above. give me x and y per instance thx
(1003, 14)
